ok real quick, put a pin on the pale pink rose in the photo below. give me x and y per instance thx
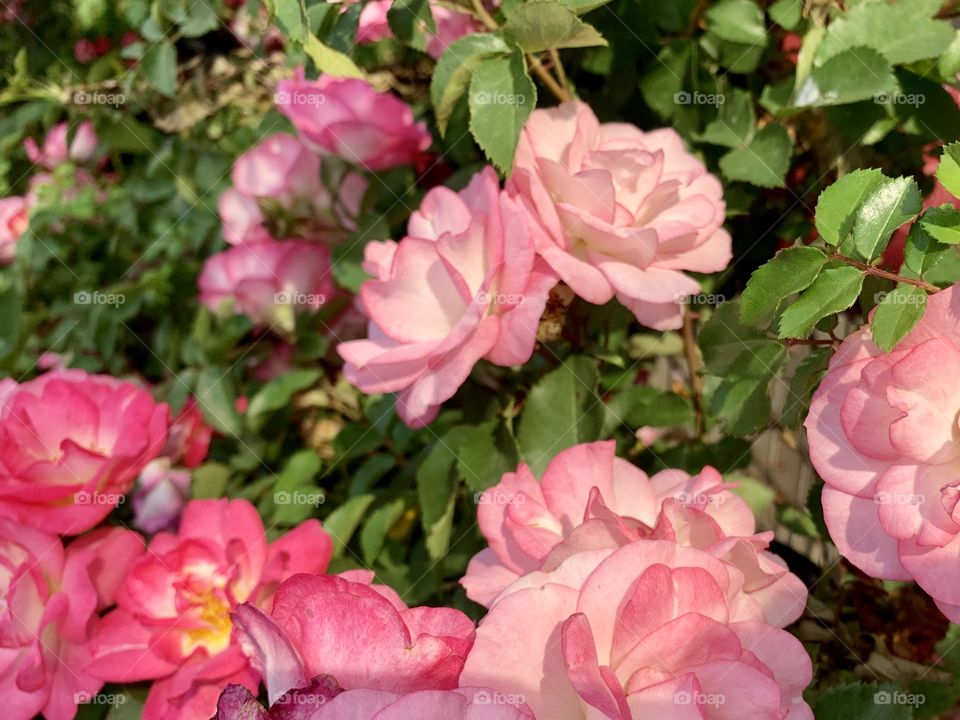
(883, 434)
(465, 284)
(279, 166)
(160, 496)
(172, 623)
(650, 630)
(361, 634)
(243, 220)
(622, 212)
(268, 281)
(49, 600)
(347, 118)
(71, 446)
(590, 499)
(13, 223)
(55, 149)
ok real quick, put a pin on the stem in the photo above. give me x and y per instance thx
(877, 272)
(693, 368)
(558, 68)
(538, 69)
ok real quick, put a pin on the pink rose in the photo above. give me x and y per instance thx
(13, 223)
(71, 446)
(281, 177)
(243, 220)
(590, 499)
(347, 118)
(361, 634)
(621, 212)
(268, 281)
(650, 630)
(189, 436)
(882, 431)
(465, 284)
(55, 149)
(160, 496)
(50, 600)
(172, 622)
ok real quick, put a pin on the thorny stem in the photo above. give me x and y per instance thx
(877, 272)
(536, 66)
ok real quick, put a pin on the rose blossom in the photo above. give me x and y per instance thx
(347, 118)
(883, 435)
(622, 212)
(282, 176)
(71, 445)
(266, 279)
(55, 149)
(465, 284)
(590, 499)
(650, 630)
(13, 223)
(172, 622)
(49, 600)
(189, 436)
(160, 496)
(361, 634)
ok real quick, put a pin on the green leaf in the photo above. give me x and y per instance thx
(838, 204)
(88, 12)
(897, 314)
(502, 96)
(295, 497)
(789, 272)
(853, 75)
(786, 13)
(943, 224)
(343, 522)
(454, 70)
(856, 700)
(640, 405)
(560, 411)
(739, 21)
(289, 13)
(412, 22)
(740, 363)
(539, 25)
(277, 394)
(903, 32)
(375, 529)
(805, 379)
(437, 489)
(922, 252)
(330, 61)
(834, 290)
(758, 495)
(216, 397)
(764, 162)
(582, 6)
(735, 123)
(885, 208)
(486, 453)
(159, 64)
(948, 173)
(209, 480)
(11, 310)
